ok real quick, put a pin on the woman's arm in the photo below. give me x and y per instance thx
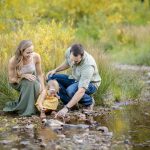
(12, 76)
(41, 98)
(39, 70)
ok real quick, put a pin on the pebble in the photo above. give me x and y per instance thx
(5, 142)
(148, 82)
(30, 126)
(115, 107)
(25, 143)
(80, 141)
(58, 147)
(61, 136)
(126, 141)
(148, 75)
(43, 145)
(102, 129)
(109, 134)
(15, 128)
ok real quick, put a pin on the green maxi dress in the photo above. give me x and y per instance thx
(25, 105)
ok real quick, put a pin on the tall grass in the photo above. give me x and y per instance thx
(6, 92)
(116, 85)
(127, 85)
(107, 75)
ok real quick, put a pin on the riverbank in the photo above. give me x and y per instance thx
(125, 127)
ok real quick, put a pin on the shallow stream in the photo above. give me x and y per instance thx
(128, 128)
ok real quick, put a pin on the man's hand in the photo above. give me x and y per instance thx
(50, 73)
(62, 113)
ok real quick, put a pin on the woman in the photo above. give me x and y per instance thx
(25, 75)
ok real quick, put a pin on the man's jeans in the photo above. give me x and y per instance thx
(68, 87)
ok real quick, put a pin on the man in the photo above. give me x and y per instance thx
(83, 82)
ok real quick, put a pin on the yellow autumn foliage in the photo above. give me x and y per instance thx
(50, 41)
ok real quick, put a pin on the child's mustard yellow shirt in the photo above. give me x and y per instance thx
(50, 102)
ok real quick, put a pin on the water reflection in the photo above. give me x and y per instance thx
(130, 125)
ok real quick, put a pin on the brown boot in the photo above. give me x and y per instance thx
(90, 107)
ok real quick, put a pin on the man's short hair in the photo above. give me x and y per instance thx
(77, 49)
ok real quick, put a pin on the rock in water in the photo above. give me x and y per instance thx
(52, 123)
(56, 124)
(78, 126)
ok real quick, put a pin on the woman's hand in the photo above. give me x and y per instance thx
(29, 77)
(50, 73)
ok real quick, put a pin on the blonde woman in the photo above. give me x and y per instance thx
(25, 75)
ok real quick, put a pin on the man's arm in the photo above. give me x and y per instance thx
(76, 98)
(86, 75)
(62, 67)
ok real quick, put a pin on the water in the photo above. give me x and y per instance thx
(130, 125)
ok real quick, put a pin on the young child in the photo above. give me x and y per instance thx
(48, 99)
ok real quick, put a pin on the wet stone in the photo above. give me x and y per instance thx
(25, 143)
(148, 82)
(78, 141)
(126, 141)
(5, 142)
(58, 147)
(104, 148)
(110, 134)
(14, 148)
(39, 140)
(15, 128)
(61, 136)
(43, 145)
(102, 129)
(148, 75)
(29, 126)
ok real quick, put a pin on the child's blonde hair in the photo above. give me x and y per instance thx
(53, 84)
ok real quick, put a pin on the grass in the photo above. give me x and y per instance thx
(115, 85)
(6, 92)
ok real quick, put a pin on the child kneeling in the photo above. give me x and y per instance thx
(48, 99)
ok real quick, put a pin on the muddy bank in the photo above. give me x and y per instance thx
(123, 127)
(81, 131)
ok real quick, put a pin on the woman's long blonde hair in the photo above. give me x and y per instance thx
(23, 45)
